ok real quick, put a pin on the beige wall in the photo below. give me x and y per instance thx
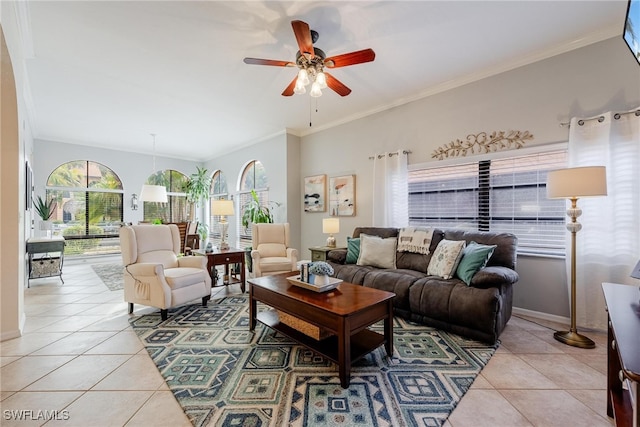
(12, 202)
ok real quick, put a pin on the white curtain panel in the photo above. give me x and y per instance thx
(390, 190)
(608, 246)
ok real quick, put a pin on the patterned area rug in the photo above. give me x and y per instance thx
(224, 375)
(110, 274)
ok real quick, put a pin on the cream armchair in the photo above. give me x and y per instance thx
(271, 253)
(153, 273)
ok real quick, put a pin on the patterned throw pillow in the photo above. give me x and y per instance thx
(353, 250)
(377, 252)
(445, 258)
(474, 257)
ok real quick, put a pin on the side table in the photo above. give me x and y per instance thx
(319, 253)
(45, 264)
(225, 257)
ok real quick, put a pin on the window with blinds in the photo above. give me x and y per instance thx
(254, 177)
(218, 191)
(88, 210)
(177, 208)
(502, 195)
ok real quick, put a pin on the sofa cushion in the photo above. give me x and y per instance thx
(445, 259)
(416, 240)
(474, 257)
(377, 252)
(182, 277)
(353, 250)
(397, 281)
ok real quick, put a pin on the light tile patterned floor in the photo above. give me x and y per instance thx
(79, 354)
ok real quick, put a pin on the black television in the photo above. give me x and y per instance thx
(631, 34)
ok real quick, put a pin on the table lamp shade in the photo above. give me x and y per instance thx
(330, 225)
(222, 207)
(577, 182)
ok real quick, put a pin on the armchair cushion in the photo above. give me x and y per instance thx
(184, 276)
(272, 250)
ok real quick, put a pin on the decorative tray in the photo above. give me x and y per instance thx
(333, 283)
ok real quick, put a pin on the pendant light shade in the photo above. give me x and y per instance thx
(153, 193)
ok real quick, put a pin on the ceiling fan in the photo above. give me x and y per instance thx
(312, 61)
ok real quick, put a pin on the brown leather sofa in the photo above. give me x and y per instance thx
(479, 311)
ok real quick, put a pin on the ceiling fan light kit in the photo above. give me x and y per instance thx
(312, 61)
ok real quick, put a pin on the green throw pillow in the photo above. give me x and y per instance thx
(474, 257)
(353, 250)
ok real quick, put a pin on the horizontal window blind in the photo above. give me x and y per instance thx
(502, 195)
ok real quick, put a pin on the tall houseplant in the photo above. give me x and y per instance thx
(197, 190)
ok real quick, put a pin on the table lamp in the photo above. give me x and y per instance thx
(573, 183)
(330, 226)
(223, 208)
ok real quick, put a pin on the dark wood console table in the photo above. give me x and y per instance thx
(623, 355)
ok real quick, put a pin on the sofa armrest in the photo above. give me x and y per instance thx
(339, 256)
(145, 269)
(494, 277)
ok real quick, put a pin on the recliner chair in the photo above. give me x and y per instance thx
(154, 275)
(271, 253)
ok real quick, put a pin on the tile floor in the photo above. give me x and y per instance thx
(79, 355)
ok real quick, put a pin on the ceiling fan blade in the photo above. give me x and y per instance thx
(303, 37)
(274, 62)
(351, 58)
(337, 85)
(289, 89)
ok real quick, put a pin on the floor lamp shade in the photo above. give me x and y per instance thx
(572, 184)
(153, 193)
(577, 182)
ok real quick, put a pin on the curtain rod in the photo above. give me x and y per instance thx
(600, 119)
(390, 154)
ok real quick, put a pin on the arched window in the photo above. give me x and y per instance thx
(218, 191)
(254, 177)
(88, 210)
(177, 208)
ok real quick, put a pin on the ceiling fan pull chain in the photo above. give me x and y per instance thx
(310, 111)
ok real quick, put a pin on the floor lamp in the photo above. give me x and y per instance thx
(572, 184)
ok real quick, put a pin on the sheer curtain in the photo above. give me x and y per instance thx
(608, 246)
(390, 190)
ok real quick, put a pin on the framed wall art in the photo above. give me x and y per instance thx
(342, 195)
(315, 193)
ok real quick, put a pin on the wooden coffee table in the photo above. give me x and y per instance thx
(346, 311)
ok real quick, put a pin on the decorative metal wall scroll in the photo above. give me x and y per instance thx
(483, 143)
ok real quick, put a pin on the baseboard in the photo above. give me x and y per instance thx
(542, 316)
(9, 335)
(550, 317)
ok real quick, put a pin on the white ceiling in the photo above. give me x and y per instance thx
(109, 74)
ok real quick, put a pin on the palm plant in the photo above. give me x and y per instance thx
(253, 212)
(197, 189)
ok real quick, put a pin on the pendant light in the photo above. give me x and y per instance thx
(153, 193)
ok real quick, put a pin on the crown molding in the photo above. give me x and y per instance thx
(607, 33)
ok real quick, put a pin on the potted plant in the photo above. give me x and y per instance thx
(45, 210)
(197, 190)
(253, 212)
